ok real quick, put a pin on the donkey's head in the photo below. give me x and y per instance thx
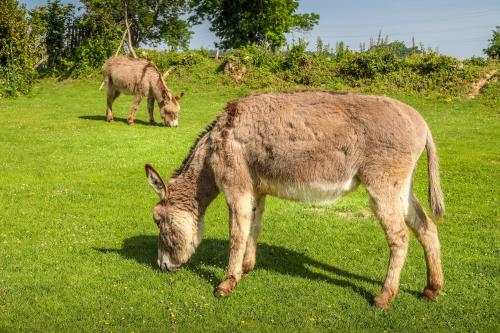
(180, 230)
(169, 108)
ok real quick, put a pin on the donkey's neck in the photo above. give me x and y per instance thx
(193, 186)
(160, 91)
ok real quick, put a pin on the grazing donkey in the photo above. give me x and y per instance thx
(313, 146)
(140, 78)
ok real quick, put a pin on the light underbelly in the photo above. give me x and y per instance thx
(313, 192)
(125, 91)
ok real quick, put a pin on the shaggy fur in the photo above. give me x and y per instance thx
(308, 146)
(140, 78)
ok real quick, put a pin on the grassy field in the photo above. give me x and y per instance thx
(78, 243)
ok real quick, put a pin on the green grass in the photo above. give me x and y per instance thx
(77, 240)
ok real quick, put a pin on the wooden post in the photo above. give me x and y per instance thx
(121, 43)
(129, 40)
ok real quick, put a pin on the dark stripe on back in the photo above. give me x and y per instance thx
(189, 157)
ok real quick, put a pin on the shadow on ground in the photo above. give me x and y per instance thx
(122, 120)
(214, 252)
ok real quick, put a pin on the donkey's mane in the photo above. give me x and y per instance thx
(189, 157)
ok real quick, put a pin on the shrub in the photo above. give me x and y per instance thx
(476, 61)
(17, 62)
(172, 58)
(101, 38)
(362, 66)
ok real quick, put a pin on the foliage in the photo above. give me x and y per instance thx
(476, 61)
(102, 39)
(166, 59)
(243, 22)
(58, 19)
(153, 21)
(17, 50)
(380, 67)
(396, 47)
(368, 65)
(38, 31)
(75, 45)
(493, 50)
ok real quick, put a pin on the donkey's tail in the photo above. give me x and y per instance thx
(436, 197)
(105, 75)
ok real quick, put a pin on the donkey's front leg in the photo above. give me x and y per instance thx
(151, 106)
(135, 105)
(250, 252)
(240, 221)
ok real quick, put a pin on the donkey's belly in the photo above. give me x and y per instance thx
(314, 192)
(125, 91)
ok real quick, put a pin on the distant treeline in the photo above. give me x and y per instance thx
(57, 40)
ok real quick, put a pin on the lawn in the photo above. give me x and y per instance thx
(78, 243)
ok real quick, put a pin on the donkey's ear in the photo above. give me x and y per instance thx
(156, 182)
(179, 96)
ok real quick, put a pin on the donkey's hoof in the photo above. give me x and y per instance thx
(248, 267)
(430, 294)
(111, 120)
(152, 122)
(222, 292)
(381, 302)
(130, 122)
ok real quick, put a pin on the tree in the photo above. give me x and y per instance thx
(397, 47)
(493, 50)
(58, 18)
(97, 40)
(153, 21)
(16, 61)
(262, 22)
(37, 32)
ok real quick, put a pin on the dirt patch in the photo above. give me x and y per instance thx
(235, 68)
(350, 215)
(476, 87)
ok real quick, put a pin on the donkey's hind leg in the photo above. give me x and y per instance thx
(427, 235)
(386, 205)
(151, 106)
(111, 96)
(133, 110)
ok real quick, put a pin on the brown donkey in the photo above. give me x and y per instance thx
(140, 78)
(308, 146)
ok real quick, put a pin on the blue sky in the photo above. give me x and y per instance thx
(459, 28)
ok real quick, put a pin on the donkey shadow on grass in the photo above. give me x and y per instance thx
(122, 120)
(214, 252)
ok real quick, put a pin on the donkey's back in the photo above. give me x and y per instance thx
(129, 75)
(324, 136)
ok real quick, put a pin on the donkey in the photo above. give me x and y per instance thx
(140, 78)
(313, 146)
